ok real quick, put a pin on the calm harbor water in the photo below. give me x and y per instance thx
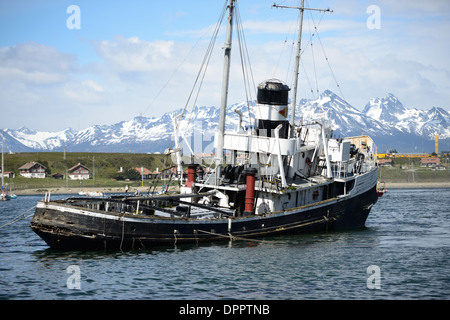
(406, 246)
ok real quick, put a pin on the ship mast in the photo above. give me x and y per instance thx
(297, 58)
(223, 101)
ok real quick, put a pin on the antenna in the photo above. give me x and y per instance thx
(297, 58)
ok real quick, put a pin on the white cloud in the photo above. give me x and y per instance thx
(86, 92)
(34, 64)
(407, 56)
(92, 86)
(416, 9)
(135, 55)
(31, 77)
(43, 88)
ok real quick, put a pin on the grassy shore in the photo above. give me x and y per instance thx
(406, 173)
(416, 185)
(105, 166)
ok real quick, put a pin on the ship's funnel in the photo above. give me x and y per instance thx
(272, 108)
(273, 92)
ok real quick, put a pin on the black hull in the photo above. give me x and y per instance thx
(74, 228)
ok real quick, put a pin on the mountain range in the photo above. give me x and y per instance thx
(386, 120)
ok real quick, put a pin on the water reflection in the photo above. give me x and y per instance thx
(409, 243)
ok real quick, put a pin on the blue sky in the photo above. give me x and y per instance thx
(141, 57)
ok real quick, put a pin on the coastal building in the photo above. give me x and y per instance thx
(79, 172)
(144, 172)
(385, 162)
(32, 170)
(439, 167)
(6, 174)
(430, 162)
(57, 176)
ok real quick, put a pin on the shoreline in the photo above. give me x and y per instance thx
(416, 185)
(387, 185)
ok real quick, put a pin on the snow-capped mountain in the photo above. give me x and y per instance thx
(346, 120)
(24, 139)
(387, 120)
(387, 110)
(391, 113)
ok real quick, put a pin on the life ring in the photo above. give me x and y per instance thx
(308, 161)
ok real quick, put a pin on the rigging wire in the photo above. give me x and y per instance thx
(245, 62)
(290, 33)
(202, 71)
(172, 75)
(331, 69)
(307, 78)
(310, 45)
(323, 51)
(205, 63)
(279, 58)
(18, 218)
(289, 75)
(182, 63)
(208, 53)
(315, 71)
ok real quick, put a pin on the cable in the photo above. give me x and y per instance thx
(245, 60)
(323, 51)
(202, 70)
(18, 218)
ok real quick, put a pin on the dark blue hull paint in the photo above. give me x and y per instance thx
(67, 229)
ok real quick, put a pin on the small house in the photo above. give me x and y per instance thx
(438, 167)
(430, 162)
(6, 174)
(57, 176)
(79, 172)
(385, 162)
(32, 170)
(9, 174)
(144, 172)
